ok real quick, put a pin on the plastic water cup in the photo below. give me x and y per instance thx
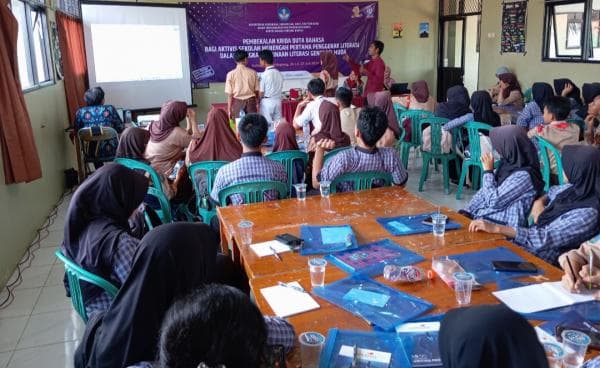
(317, 267)
(311, 345)
(555, 354)
(463, 285)
(325, 187)
(300, 191)
(439, 224)
(575, 345)
(245, 230)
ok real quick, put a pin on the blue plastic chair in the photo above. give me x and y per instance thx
(210, 168)
(474, 160)
(362, 180)
(253, 192)
(545, 150)
(436, 152)
(287, 159)
(415, 117)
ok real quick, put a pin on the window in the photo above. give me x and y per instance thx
(572, 31)
(33, 47)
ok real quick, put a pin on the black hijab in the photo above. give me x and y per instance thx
(172, 260)
(540, 92)
(582, 167)
(97, 217)
(575, 95)
(490, 336)
(481, 102)
(518, 154)
(132, 143)
(589, 91)
(456, 105)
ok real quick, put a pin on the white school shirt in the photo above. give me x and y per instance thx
(271, 83)
(311, 113)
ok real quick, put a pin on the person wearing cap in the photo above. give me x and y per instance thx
(495, 89)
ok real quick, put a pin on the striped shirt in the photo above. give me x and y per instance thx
(531, 116)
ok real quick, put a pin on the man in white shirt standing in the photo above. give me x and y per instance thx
(271, 87)
(308, 110)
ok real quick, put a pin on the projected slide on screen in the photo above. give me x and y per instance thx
(136, 52)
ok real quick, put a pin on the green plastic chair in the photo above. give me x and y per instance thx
(415, 117)
(473, 129)
(545, 149)
(253, 191)
(76, 274)
(399, 109)
(362, 180)
(436, 152)
(528, 95)
(210, 168)
(334, 152)
(154, 190)
(581, 124)
(287, 159)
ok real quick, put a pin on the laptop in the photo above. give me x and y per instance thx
(399, 89)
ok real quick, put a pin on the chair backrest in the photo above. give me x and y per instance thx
(165, 205)
(138, 165)
(528, 95)
(334, 152)
(415, 117)
(96, 135)
(76, 274)
(362, 180)
(545, 148)
(287, 159)
(435, 125)
(581, 124)
(253, 192)
(473, 130)
(399, 109)
(210, 168)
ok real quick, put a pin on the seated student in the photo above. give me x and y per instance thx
(419, 98)
(456, 105)
(533, 115)
(506, 196)
(566, 88)
(285, 140)
(490, 336)
(365, 156)
(589, 91)
(354, 82)
(481, 103)
(510, 91)
(566, 216)
(348, 113)
(555, 129)
(383, 100)
(387, 78)
(329, 72)
(173, 260)
(592, 131)
(252, 166)
(579, 260)
(241, 87)
(214, 326)
(97, 114)
(218, 143)
(98, 236)
(495, 89)
(132, 144)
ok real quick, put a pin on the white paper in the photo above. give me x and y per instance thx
(264, 250)
(366, 355)
(286, 301)
(540, 297)
(414, 327)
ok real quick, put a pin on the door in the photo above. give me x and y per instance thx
(451, 68)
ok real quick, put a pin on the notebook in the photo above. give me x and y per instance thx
(540, 297)
(286, 301)
(264, 249)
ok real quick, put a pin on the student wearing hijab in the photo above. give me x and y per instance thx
(490, 336)
(565, 217)
(456, 105)
(172, 260)
(218, 143)
(354, 82)
(533, 113)
(419, 98)
(510, 91)
(132, 144)
(589, 91)
(387, 78)
(506, 195)
(285, 140)
(329, 72)
(97, 233)
(566, 88)
(383, 100)
(481, 104)
(495, 89)
(331, 127)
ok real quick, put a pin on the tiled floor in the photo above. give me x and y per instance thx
(40, 328)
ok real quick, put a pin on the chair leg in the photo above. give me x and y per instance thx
(461, 181)
(405, 153)
(445, 163)
(424, 170)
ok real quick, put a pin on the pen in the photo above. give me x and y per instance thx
(275, 254)
(293, 287)
(591, 267)
(571, 268)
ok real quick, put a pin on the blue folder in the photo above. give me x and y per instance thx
(327, 239)
(371, 258)
(407, 225)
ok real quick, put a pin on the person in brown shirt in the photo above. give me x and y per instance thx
(241, 87)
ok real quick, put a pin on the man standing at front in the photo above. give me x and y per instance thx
(271, 87)
(241, 87)
(374, 69)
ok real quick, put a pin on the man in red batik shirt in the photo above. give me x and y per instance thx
(374, 69)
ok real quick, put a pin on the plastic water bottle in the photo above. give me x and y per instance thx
(306, 134)
(403, 273)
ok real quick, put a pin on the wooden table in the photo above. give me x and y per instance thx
(359, 209)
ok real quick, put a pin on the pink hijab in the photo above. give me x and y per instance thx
(329, 63)
(383, 100)
(285, 138)
(171, 113)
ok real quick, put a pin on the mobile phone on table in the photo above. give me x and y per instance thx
(428, 221)
(510, 266)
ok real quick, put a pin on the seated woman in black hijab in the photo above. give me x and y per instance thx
(567, 216)
(566, 88)
(98, 236)
(490, 336)
(172, 261)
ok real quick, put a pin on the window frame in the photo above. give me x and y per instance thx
(550, 36)
(46, 50)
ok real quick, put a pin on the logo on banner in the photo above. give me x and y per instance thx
(370, 11)
(284, 14)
